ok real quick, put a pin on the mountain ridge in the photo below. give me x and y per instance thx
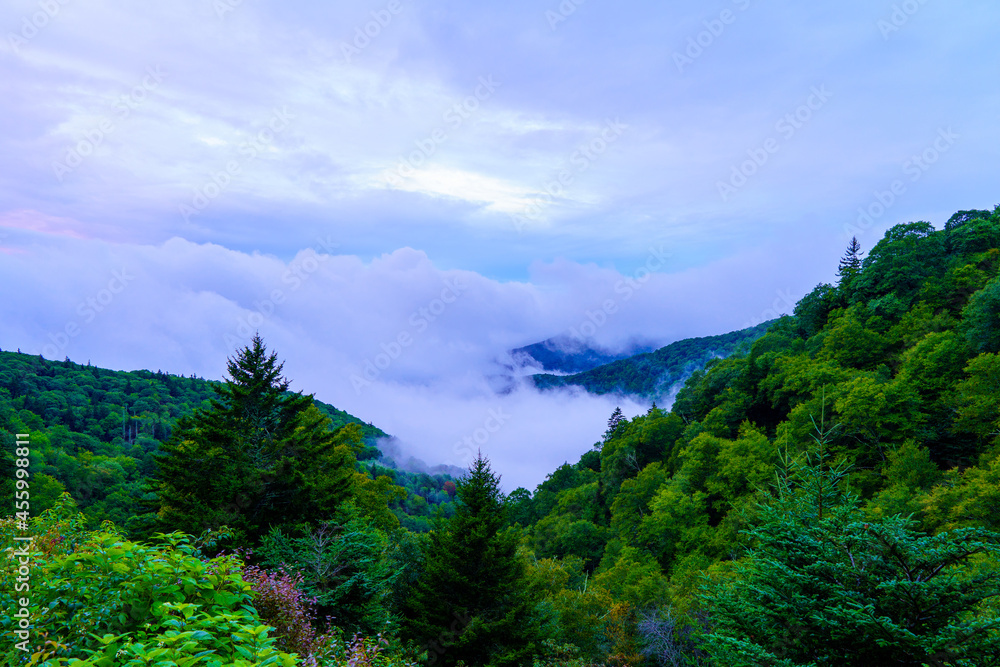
(655, 374)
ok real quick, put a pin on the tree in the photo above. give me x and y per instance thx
(472, 603)
(346, 569)
(616, 420)
(850, 263)
(260, 456)
(824, 584)
(982, 318)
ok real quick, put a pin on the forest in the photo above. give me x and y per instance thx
(653, 375)
(95, 433)
(826, 494)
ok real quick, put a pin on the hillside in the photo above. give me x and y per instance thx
(564, 354)
(826, 494)
(878, 400)
(98, 430)
(655, 374)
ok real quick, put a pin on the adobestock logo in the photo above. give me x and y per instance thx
(625, 289)
(915, 167)
(419, 322)
(35, 23)
(788, 125)
(94, 137)
(467, 447)
(454, 118)
(698, 44)
(363, 35)
(88, 310)
(220, 180)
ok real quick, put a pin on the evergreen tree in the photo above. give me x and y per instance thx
(472, 603)
(825, 584)
(260, 456)
(613, 423)
(850, 263)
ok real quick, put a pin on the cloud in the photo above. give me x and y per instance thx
(418, 350)
(146, 109)
(178, 176)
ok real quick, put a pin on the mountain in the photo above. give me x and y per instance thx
(863, 429)
(95, 433)
(565, 354)
(655, 374)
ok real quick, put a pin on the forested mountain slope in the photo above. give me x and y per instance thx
(892, 375)
(96, 432)
(826, 495)
(566, 354)
(655, 374)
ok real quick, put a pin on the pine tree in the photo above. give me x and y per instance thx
(613, 423)
(471, 602)
(260, 456)
(850, 263)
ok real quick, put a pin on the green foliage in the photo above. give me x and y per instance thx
(812, 310)
(908, 255)
(822, 584)
(982, 318)
(99, 600)
(347, 569)
(891, 354)
(850, 263)
(259, 457)
(96, 433)
(893, 565)
(471, 602)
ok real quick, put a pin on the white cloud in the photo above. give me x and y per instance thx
(413, 348)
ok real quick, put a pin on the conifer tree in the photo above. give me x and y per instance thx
(850, 263)
(613, 423)
(260, 456)
(825, 584)
(471, 603)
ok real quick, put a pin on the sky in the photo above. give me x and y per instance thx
(397, 193)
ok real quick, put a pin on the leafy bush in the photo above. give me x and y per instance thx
(279, 600)
(346, 569)
(99, 600)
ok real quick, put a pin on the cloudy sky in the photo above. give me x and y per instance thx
(395, 193)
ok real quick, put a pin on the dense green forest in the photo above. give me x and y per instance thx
(96, 432)
(826, 496)
(653, 375)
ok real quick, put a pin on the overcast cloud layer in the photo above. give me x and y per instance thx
(437, 183)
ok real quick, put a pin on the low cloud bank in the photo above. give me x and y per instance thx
(419, 351)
